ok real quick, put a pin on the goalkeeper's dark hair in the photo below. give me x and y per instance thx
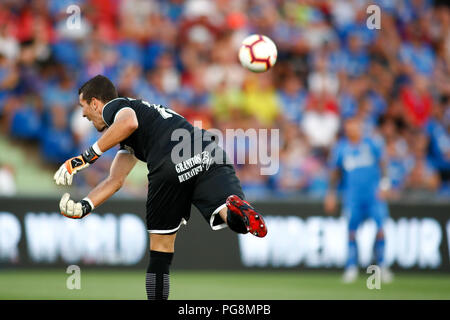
(99, 87)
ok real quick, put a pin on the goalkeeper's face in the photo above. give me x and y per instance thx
(93, 112)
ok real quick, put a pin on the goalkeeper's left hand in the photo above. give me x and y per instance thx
(68, 169)
(75, 210)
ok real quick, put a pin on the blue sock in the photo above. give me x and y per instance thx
(352, 259)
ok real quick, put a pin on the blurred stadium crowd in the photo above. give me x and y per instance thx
(183, 54)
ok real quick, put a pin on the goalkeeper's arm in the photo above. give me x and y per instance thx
(124, 125)
(121, 166)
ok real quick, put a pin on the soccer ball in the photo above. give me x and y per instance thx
(258, 53)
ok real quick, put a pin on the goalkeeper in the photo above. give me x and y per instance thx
(144, 132)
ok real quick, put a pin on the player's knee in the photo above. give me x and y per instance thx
(162, 242)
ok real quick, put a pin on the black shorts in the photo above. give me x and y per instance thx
(173, 188)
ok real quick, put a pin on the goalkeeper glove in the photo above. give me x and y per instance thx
(68, 169)
(75, 210)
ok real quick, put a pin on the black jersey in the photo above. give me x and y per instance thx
(173, 184)
(153, 138)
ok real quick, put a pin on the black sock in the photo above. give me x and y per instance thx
(157, 281)
(236, 222)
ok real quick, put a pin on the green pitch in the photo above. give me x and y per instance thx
(108, 284)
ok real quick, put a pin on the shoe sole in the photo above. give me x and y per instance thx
(253, 220)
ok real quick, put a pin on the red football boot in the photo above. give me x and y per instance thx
(253, 220)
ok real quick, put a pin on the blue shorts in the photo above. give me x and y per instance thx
(358, 210)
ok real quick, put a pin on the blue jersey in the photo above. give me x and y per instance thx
(360, 166)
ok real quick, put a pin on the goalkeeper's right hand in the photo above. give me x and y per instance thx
(65, 173)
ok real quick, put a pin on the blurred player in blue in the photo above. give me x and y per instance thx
(358, 161)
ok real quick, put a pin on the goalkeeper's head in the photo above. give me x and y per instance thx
(93, 95)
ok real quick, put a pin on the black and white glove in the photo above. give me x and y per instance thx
(75, 210)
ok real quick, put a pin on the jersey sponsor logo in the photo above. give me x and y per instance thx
(193, 166)
(364, 158)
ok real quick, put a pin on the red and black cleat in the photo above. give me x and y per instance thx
(253, 220)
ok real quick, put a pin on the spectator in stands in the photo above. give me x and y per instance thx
(320, 79)
(441, 77)
(62, 94)
(57, 141)
(253, 183)
(194, 100)
(439, 134)
(320, 122)
(225, 103)
(416, 54)
(9, 46)
(260, 99)
(224, 67)
(417, 101)
(352, 91)
(8, 186)
(291, 178)
(354, 58)
(8, 75)
(292, 98)
(422, 175)
(131, 83)
(398, 166)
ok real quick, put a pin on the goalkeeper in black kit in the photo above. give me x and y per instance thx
(201, 177)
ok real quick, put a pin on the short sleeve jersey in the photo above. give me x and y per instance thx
(360, 164)
(152, 140)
